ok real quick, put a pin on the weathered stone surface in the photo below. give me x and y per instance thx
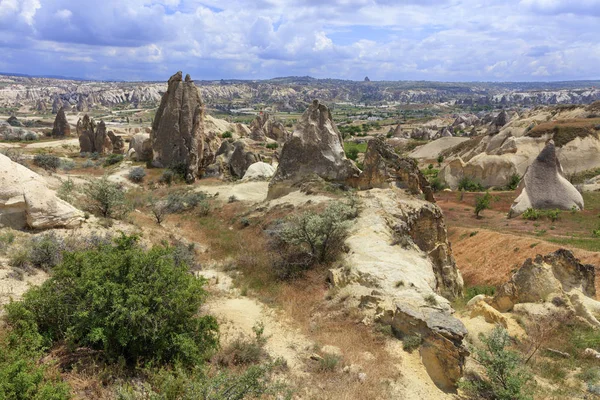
(489, 313)
(61, 126)
(259, 171)
(241, 159)
(118, 144)
(265, 126)
(93, 137)
(178, 135)
(26, 201)
(557, 278)
(315, 148)
(545, 187)
(14, 121)
(142, 147)
(382, 168)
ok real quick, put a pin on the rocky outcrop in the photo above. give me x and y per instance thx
(315, 149)
(61, 126)
(26, 201)
(558, 279)
(382, 168)
(241, 159)
(93, 137)
(397, 271)
(118, 144)
(12, 133)
(140, 147)
(178, 135)
(545, 187)
(265, 126)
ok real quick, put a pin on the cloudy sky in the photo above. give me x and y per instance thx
(446, 40)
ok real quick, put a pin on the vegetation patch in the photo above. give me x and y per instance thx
(564, 131)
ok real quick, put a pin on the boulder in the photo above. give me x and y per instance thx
(241, 159)
(259, 171)
(383, 167)
(557, 278)
(545, 187)
(141, 146)
(61, 126)
(26, 201)
(315, 149)
(178, 135)
(489, 313)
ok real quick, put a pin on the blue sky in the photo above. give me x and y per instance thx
(445, 40)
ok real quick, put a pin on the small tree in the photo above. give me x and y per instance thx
(106, 198)
(505, 377)
(482, 203)
(440, 160)
(160, 209)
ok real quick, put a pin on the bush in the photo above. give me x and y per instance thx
(437, 185)
(167, 177)
(469, 185)
(227, 135)
(533, 214)
(113, 159)
(15, 155)
(45, 251)
(48, 162)
(313, 237)
(137, 174)
(352, 153)
(505, 378)
(329, 362)
(30, 137)
(106, 198)
(184, 200)
(66, 191)
(132, 304)
(88, 164)
(272, 146)
(513, 182)
(411, 342)
(482, 203)
(244, 351)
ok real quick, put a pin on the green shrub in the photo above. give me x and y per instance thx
(113, 159)
(105, 198)
(513, 182)
(66, 191)
(436, 185)
(411, 342)
(533, 214)
(137, 174)
(469, 185)
(167, 177)
(45, 251)
(184, 200)
(482, 203)
(329, 363)
(272, 145)
(132, 304)
(473, 291)
(440, 159)
(48, 162)
(505, 378)
(227, 135)
(352, 153)
(244, 351)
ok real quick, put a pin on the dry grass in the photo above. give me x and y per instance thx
(564, 131)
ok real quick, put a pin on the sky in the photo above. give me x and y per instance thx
(437, 40)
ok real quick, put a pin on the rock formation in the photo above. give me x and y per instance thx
(140, 147)
(12, 133)
(26, 201)
(315, 148)
(93, 137)
(61, 126)
(557, 279)
(382, 168)
(265, 126)
(399, 265)
(241, 159)
(545, 187)
(118, 144)
(178, 135)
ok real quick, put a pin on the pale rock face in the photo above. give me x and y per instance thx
(26, 201)
(401, 265)
(265, 126)
(545, 186)
(557, 278)
(259, 171)
(315, 148)
(141, 146)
